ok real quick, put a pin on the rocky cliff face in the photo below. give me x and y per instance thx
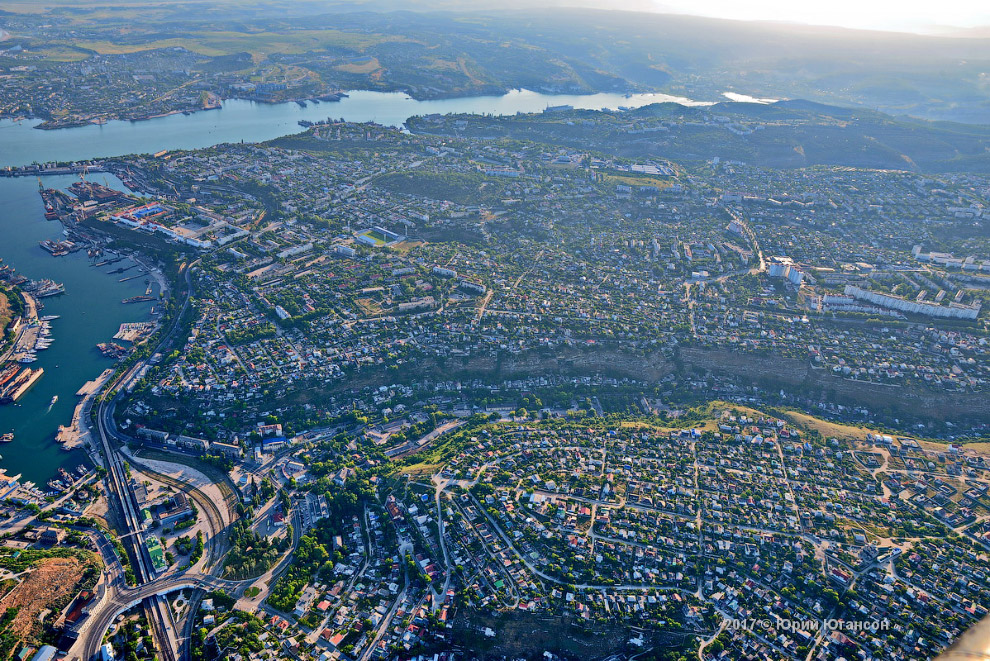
(768, 372)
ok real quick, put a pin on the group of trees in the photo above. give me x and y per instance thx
(11, 306)
(8, 639)
(242, 634)
(190, 546)
(251, 554)
(259, 332)
(310, 558)
(129, 639)
(314, 555)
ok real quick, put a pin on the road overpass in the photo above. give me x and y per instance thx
(151, 590)
(121, 500)
(123, 598)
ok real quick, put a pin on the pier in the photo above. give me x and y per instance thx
(35, 170)
(20, 384)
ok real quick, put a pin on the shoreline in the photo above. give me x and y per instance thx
(35, 451)
(48, 125)
(76, 435)
(30, 315)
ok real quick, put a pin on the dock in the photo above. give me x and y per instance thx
(93, 387)
(20, 384)
(35, 171)
(78, 433)
(133, 331)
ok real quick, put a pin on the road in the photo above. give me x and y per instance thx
(441, 530)
(267, 581)
(119, 594)
(121, 500)
(216, 544)
(125, 597)
(380, 631)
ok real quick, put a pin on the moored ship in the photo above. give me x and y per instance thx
(112, 349)
(58, 248)
(44, 288)
(20, 384)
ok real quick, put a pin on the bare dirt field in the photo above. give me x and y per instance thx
(49, 585)
(525, 636)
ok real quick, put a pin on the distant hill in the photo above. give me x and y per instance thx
(786, 134)
(444, 48)
(931, 77)
(701, 58)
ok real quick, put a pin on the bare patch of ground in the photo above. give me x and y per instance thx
(521, 635)
(49, 585)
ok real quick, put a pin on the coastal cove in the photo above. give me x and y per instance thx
(250, 121)
(89, 312)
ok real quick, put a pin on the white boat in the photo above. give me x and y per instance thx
(54, 399)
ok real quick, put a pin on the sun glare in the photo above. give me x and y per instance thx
(908, 15)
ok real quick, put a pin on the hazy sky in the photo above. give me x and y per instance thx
(899, 15)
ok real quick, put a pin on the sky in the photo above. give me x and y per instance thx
(894, 15)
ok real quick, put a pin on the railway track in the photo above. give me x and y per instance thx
(205, 504)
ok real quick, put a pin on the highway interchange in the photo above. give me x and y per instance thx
(151, 588)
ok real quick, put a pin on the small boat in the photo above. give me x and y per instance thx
(7, 438)
(54, 399)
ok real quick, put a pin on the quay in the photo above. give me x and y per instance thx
(40, 170)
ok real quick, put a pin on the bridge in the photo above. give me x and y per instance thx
(118, 596)
(151, 589)
(122, 598)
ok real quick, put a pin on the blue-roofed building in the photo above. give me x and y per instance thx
(274, 443)
(45, 653)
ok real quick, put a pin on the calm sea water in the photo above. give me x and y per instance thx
(90, 312)
(21, 144)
